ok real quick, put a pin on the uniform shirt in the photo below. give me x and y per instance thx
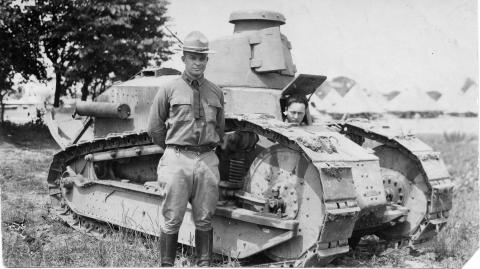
(183, 115)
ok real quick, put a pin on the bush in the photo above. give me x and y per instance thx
(34, 134)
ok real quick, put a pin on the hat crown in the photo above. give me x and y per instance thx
(195, 42)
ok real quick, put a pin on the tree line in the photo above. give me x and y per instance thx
(87, 42)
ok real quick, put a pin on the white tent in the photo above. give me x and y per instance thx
(357, 101)
(378, 98)
(470, 101)
(459, 102)
(412, 100)
(332, 99)
(448, 101)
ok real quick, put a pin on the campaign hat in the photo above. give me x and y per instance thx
(196, 42)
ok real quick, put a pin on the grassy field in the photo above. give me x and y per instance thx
(31, 237)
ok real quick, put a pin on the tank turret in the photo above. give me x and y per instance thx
(256, 55)
(256, 61)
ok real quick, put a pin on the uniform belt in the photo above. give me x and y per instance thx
(197, 149)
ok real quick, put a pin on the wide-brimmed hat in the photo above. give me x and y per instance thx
(196, 42)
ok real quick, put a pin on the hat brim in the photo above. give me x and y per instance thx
(195, 51)
(198, 51)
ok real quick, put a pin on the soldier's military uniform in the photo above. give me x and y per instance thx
(187, 117)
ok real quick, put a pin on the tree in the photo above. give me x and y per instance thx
(19, 48)
(118, 39)
(96, 41)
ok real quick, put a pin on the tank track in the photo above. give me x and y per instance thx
(70, 153)
(331, 242)
(429, 163)
(329, 247)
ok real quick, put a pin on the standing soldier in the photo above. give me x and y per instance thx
(187, 119)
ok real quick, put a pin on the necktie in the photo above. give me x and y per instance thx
(197, 106)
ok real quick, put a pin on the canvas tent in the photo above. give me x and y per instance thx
(460, 103)
(332, 99)
(324, 89)
(449, 101)
(411, 102)
(469, 106)
(314, 102)
(377, 98)
(342, 84)
(358, 102)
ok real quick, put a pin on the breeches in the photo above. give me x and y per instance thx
(188, 177)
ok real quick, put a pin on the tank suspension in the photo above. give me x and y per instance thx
(237, 170)
(274, 204)
(236, 145)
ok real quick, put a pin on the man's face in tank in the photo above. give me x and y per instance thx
(195, 63)
(295, 113)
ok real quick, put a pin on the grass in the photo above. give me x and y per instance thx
(457, 242)
(31, 237)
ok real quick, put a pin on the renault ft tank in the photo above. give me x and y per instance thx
(298, 193)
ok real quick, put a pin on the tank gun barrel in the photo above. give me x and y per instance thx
(102, 109)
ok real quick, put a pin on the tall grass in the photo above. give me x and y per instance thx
(457, 242)
(457, 136)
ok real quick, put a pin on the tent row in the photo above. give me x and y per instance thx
(360, 102)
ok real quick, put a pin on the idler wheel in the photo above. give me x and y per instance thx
(404, 185)
(298, 183)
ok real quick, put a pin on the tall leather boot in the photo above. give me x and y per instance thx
(168, 249)
(203, 247)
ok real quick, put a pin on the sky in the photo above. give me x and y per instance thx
(384, 45)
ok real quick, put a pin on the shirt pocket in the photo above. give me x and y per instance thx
(180, 109)
(213, 106)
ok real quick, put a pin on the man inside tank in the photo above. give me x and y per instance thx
(187, 119)
(295, 110)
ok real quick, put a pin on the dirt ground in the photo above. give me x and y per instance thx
(31, 237)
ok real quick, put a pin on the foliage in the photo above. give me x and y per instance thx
(94, 42)
(31, 134)
(117, 40)
(19, 48)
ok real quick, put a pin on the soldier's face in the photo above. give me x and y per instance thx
(295, 113)
(195, 63)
